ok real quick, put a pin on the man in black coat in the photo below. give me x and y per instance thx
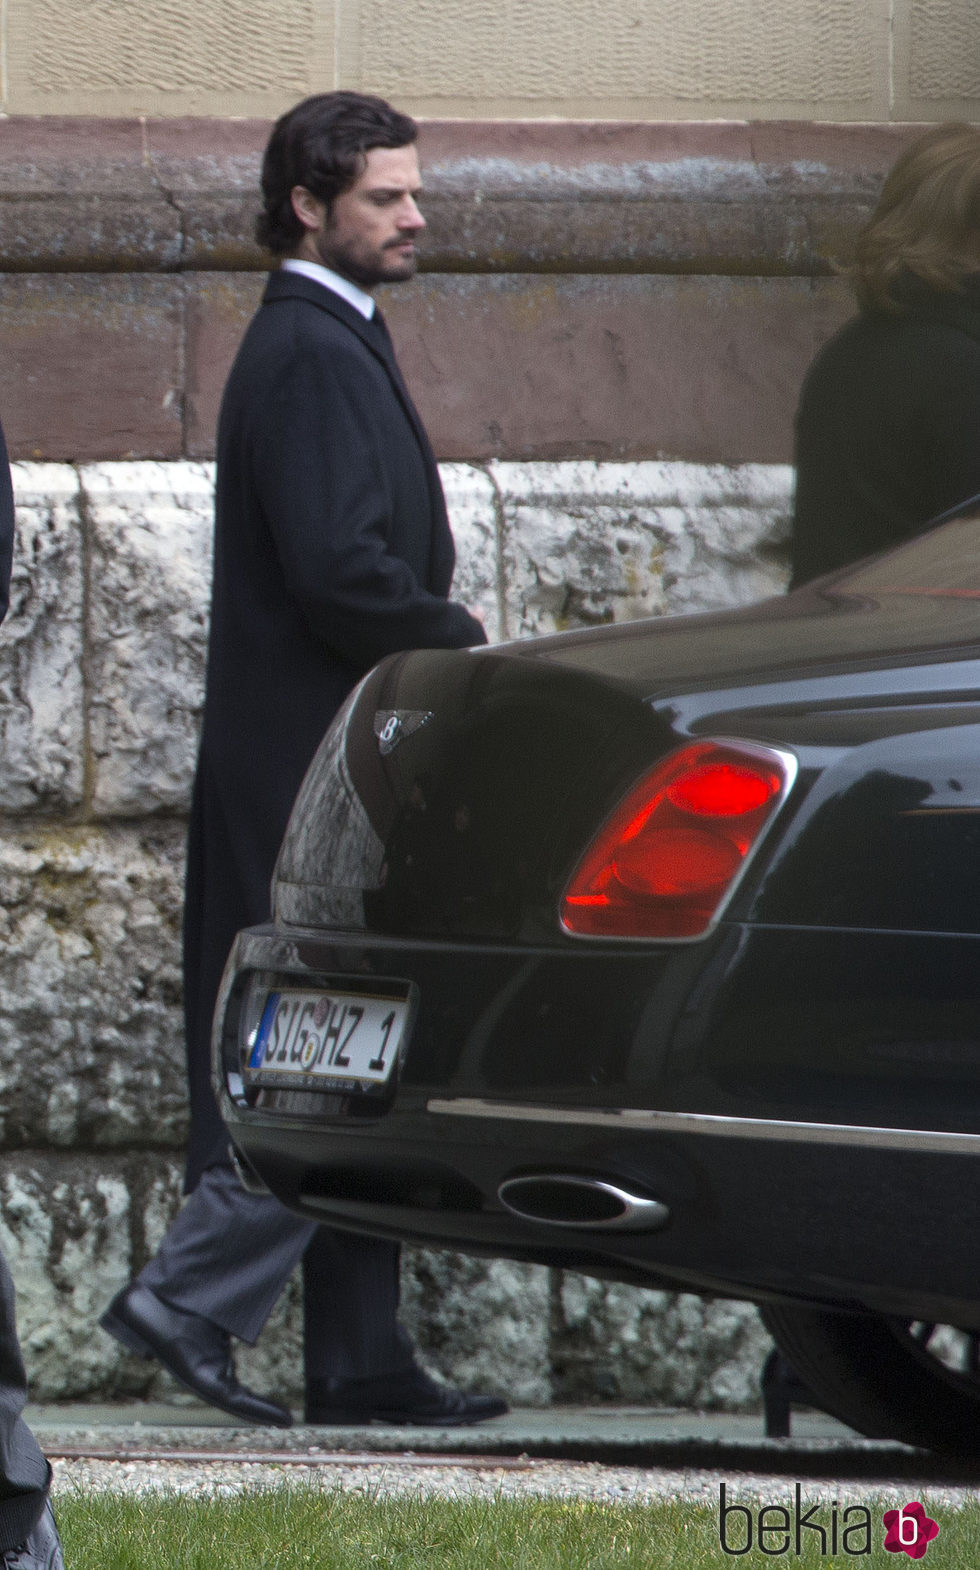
(28, 1535)
(332, 549)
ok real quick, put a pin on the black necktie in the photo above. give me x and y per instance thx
(380, 326)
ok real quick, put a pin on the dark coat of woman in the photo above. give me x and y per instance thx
(332, 549)
(887, 429)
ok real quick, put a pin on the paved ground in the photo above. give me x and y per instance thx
(593, 1452)
(576, 1432)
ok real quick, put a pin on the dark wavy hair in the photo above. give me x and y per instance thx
(320, 144)
(925, 230)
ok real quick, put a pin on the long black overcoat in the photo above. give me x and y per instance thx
(332, 549)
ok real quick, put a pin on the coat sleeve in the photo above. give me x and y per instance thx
(324, 484)
(6, 528)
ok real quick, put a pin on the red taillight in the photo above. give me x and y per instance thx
(666, 859)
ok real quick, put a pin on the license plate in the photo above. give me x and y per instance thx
(325, 1037)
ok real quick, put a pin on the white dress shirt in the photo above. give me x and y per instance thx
(325, 275)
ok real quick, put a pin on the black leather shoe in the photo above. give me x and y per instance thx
(197, 1353)
(411, 1396)
(41, 1548)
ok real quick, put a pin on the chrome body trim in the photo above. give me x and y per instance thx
(639, 1120)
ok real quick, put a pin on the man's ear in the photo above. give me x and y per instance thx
(308, 208)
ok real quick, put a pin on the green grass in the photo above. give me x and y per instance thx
(293, 1527)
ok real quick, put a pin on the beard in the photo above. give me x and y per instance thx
(365, 265)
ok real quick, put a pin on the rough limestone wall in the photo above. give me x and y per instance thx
(101, 666)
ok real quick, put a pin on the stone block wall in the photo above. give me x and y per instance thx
(596, 291)
(101, 671)
(699, 59)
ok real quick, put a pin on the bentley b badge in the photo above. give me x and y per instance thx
(391, 726)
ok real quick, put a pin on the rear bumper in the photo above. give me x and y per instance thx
(832, 1212)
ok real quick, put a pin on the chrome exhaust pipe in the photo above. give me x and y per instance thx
(561, 1199)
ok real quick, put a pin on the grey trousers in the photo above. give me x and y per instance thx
(228, 1255)
(24, 1473)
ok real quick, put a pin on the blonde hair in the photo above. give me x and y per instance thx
(926, 225)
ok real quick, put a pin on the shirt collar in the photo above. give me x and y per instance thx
(330, 280)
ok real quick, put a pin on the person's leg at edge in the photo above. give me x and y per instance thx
(24, 1473)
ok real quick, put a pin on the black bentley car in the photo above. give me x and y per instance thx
(652, 951)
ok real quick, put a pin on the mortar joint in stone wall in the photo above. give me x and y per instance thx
(88, 684)
(167, 193)
(499, 533)
(179, 392)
